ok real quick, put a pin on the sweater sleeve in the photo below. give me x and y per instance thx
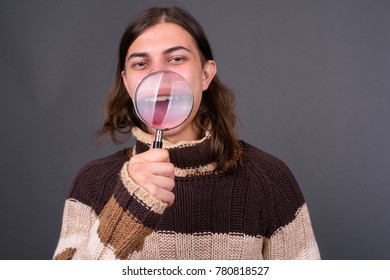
(120, 228)
(294, 241)
(290, 234)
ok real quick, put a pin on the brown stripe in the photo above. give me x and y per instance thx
(120, 230)
(281, 191)
(67, 254)
(139, 209)
(220, 204)
(95, 182)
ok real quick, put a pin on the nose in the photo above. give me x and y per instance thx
(159, 66)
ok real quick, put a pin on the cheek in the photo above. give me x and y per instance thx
(131, 85)
(196, 87)
(197, 92)
(193, 76)
(196, 105)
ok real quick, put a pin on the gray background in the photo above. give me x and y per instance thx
(312, 86)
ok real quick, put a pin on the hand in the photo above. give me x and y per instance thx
(153, 171)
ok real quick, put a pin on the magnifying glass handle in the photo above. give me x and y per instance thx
(157, 143)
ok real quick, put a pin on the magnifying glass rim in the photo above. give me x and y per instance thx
(136, 92)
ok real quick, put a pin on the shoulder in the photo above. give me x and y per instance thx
(281, 181)
(96, 176)
(263, 161)
(103, 165)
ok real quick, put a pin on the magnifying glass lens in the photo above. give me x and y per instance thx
(163, 100)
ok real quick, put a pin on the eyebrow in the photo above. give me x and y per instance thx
(165, 52)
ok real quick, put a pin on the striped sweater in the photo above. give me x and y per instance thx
(256, 211)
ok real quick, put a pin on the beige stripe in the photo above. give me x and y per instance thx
(93, 248)
(148, 139)
(79, 239)
(293, 241)
(77, 220)
(166, 245)
(201, 170)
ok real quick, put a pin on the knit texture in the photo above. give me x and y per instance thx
(255, 211)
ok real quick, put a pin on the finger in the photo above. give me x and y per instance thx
(162, 169)
(142, 170)
(163, 182)
(151, 181)
(160, 193)
(155, 155)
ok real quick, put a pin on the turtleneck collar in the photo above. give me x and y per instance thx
(190, 158)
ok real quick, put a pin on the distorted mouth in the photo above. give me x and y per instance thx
(165, 110)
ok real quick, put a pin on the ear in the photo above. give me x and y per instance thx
(123, 74)
(209, 71)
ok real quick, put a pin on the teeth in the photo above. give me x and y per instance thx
(164, 98)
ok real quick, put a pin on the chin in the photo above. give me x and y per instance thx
(184, 132)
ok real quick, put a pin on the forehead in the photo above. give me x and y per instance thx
(162, 36)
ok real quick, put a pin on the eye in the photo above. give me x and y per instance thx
(139, 65)
(176, 60)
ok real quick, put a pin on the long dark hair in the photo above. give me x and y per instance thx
(216, 112)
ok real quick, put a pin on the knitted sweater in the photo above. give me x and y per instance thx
(256, 211)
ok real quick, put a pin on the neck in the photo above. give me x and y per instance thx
(179, 134)
(189, 157)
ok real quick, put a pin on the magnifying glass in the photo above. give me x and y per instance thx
(163, 100)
